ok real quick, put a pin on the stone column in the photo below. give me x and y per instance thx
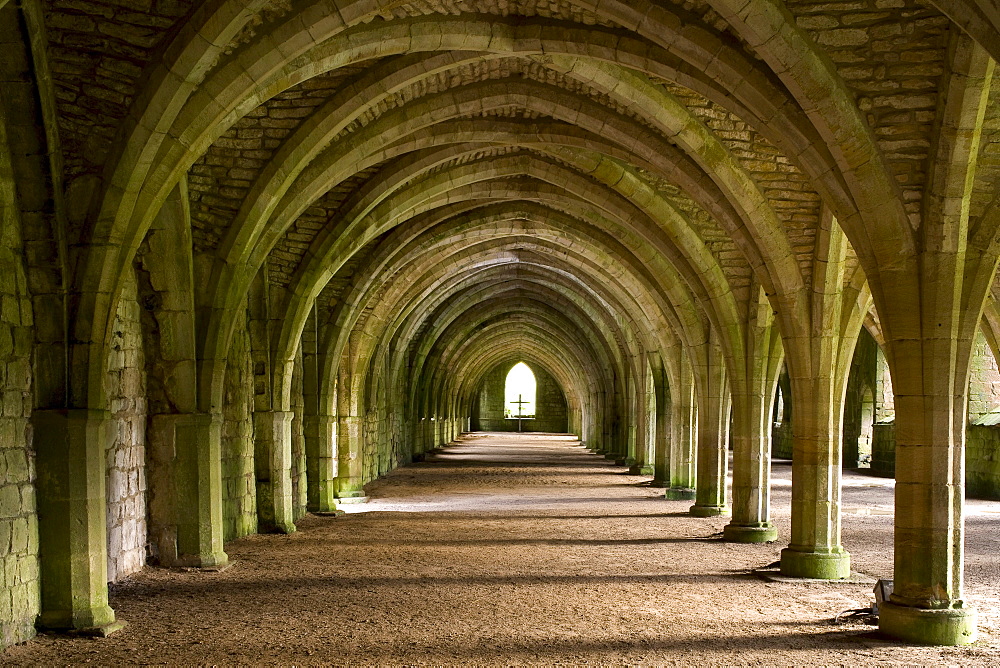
(752, 407)
(815, 550)
(70, 446)
(186, 499)
(713, 437)
(661, 428)
(683, 436)
(751, 521)
(273, 460)
(926, 604)
(643, 428)
(350, 478)
(321, 462)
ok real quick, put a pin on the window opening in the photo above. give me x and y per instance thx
(519, 393)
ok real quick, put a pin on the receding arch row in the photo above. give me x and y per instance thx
(483, 228)
(452, 191)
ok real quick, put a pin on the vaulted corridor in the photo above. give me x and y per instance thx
(510, 549)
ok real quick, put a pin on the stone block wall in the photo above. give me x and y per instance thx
(299, 484)
(126, 448)
(781, 440)
(884, 450)
(859, 402)
(550, 404)
(239, 484)
(982, 462)
(20, 592)
(984, 385)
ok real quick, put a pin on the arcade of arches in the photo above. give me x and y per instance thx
(255, 254)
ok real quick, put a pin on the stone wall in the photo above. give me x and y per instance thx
(550, 404)
(126, 448)
(859, 403)
(884, 450)
(239, 484)
(299, 484)
(984, 385)
(19, 593)
(781, 420)
(982, 462)
(781, 440)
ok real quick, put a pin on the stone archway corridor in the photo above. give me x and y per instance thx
(513, 549)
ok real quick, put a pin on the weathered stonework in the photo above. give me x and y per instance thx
(489, 410)
(126, 449)
(299, 490)
(239, 500)
(658, 203)
(19, 593)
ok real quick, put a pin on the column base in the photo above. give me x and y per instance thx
(680, 493)
(280, 527)
(945, 626)
(708, 511)
(815, 565)
(763, 532)
(336, 512)
(352, 497)
(620, 461)
(640, 469)
(657, 483)
(97, 622)
(608, 455)
(214, 562)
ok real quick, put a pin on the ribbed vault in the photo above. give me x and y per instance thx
(338, 216)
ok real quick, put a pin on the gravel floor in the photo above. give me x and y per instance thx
(520, 549)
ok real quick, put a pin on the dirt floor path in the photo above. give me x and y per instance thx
(524, 549)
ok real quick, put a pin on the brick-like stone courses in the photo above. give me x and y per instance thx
(260, 22)
(19, 593)
(550, 402)
(298, 474)
(126, 449)
(97, 52)
(782, 183)
(239, 484)
(985, 187)
(892, 54)
(984, 385)
(982, 462)
(287, 254)
(337, 286)
(700, 12)
(556, 9)
(729, 256)
(220, 180)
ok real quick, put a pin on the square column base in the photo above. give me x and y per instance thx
(708, 511)
(764, 532)
(96, 622)
(815, 565)
(946, 626)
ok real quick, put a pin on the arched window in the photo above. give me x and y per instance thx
(519, 392)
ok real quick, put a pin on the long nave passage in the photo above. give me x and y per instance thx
(256, 255)
(509, 549)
